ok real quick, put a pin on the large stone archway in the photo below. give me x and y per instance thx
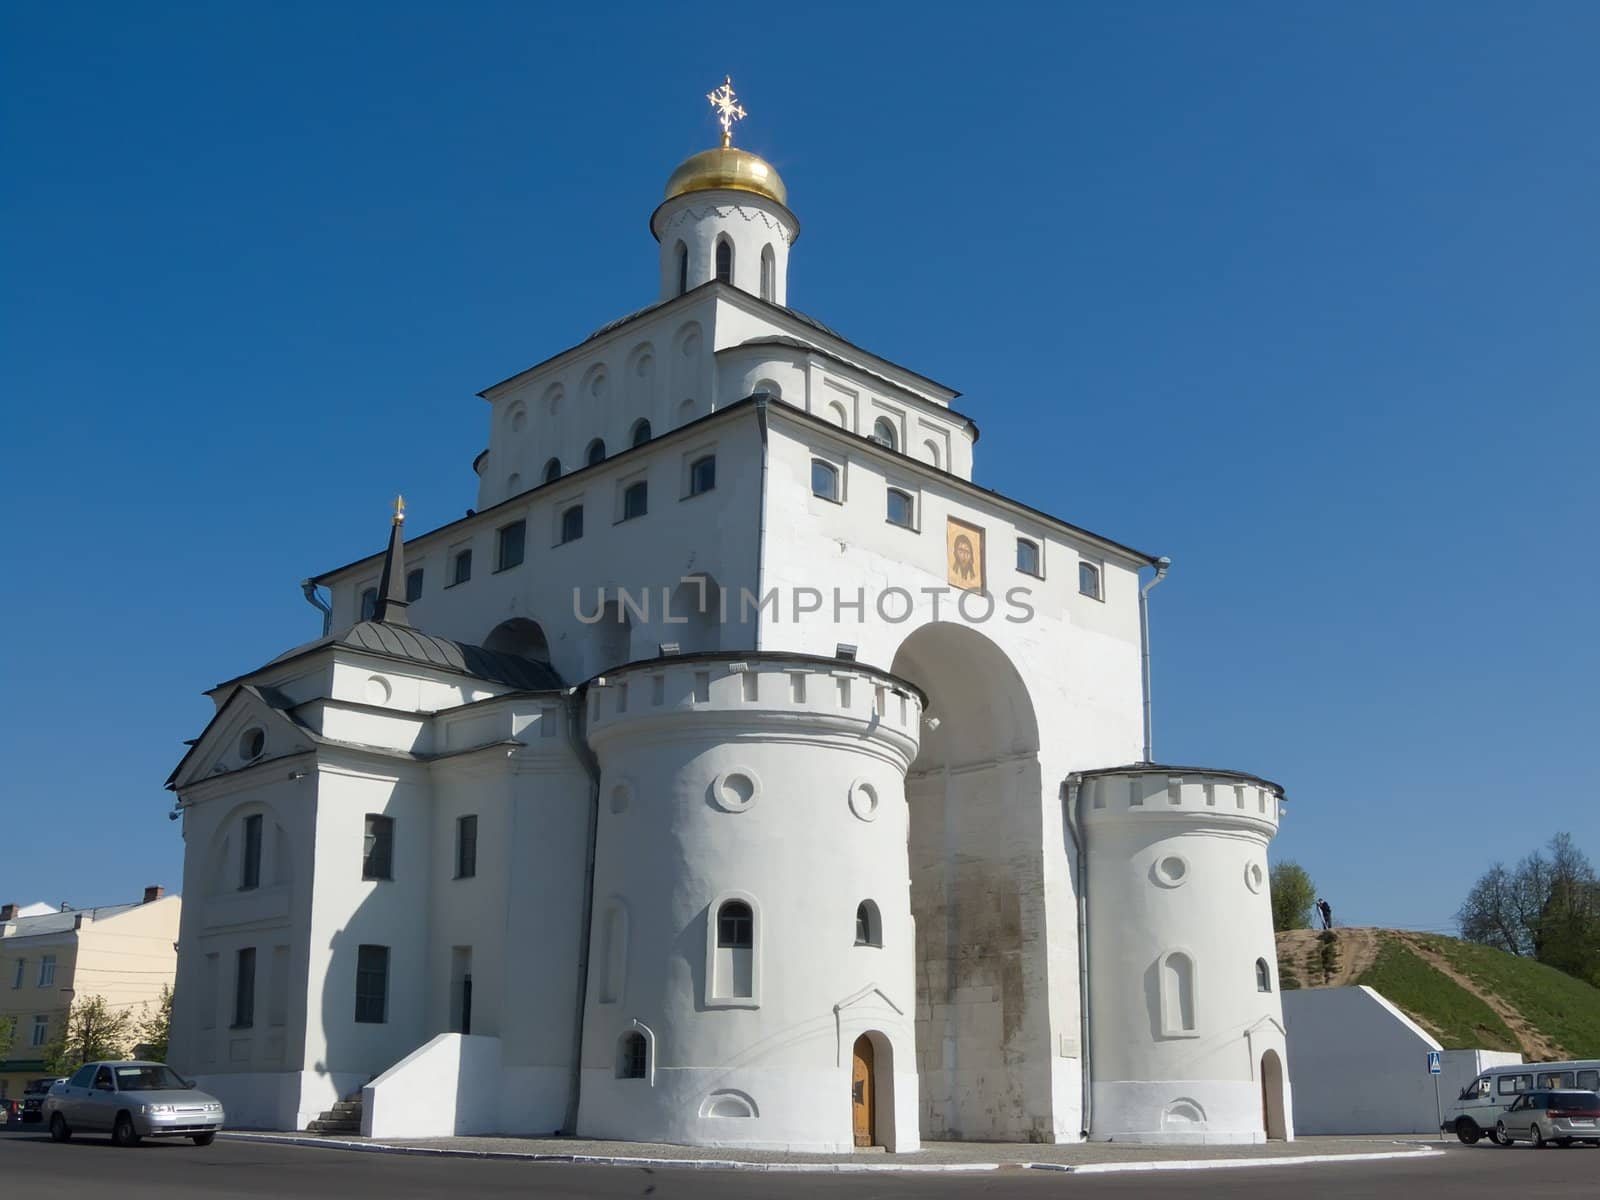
(977, 849)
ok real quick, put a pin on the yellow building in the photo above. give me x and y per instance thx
(122, 952)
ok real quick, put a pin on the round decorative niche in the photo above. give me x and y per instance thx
(1170, 871)
(252, 743)
(736, 790)
(864, 800)
(1255, 876)
(621, 797)
(378, 690)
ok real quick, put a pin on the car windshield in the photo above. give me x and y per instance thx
(148, 1077)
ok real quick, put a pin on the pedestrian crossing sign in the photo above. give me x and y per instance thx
(1434, 1058)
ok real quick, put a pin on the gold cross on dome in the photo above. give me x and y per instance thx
(728, 108)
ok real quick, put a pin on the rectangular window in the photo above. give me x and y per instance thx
(250, 874)
(1510, 1085)
(1028, 557)
(901, 510)
(635, 500)
(372, 984)
(466, 847)
(22, 967)
(244, 989)
(824, 480)
(41, 1029)
(377, 849)
(461, 567)
(369, 603)
(413, 585)
(703, 474)
(512, 539)
(572, 523)
(47, 971)
(1089, 580)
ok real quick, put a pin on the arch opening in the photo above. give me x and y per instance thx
(519, 636)
(872, 1104)
(977, 780)
(1274, 1110)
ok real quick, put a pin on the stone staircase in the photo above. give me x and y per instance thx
(342, 1120)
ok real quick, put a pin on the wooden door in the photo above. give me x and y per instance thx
(861, 1093)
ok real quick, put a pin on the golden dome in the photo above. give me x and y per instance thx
(727, 167)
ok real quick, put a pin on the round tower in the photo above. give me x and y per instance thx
(1185, 1023)
(725, 215)
(752, 978)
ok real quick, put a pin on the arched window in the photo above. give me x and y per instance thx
(552, 470)
(769, 273)
(883, 433)
(824, 480)
(1176, 972)
(596, 453)
(732, 969)
(901, 509)
(1089, 580)
(1028, 557)
(724, 260)
(869, 926)
(633, 1056)
(683, 268)
(640, 434)
(1263, 976)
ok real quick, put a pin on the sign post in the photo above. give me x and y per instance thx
(1435, 1065)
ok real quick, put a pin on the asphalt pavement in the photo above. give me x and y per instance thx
(31, 1165)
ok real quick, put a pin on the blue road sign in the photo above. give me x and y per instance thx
(1434, 1057)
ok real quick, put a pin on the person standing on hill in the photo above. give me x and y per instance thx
(1325, 911)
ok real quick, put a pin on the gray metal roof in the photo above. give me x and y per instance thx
(60, 922)
(405, 644)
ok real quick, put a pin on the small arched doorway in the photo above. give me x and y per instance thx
(1272, 1107)
(863, 1093)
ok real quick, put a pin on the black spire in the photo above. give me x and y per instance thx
(391, 607)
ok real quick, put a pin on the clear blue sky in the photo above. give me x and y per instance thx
(1302, 295)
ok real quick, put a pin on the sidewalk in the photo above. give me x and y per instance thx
(1083, 1157)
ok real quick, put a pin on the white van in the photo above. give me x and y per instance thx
(1473, 1114)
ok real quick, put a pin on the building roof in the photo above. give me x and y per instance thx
(64, 921)
(1149, 768)
(404, 644)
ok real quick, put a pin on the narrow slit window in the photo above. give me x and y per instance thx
(250, 875)
(466, 846)
(244, 988)
(1263, 976)
(769, 273)
(372, 984)
(724, 260)
(377, 850)
(683, 268)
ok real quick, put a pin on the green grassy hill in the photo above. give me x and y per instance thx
(1468, 996)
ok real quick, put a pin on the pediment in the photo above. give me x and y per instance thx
(248, 730)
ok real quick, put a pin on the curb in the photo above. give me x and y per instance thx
(837, 1168)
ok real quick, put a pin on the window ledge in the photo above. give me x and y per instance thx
(502, 570)
(694, 495)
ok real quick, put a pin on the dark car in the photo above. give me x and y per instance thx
(33, 1099)
(10, 1110)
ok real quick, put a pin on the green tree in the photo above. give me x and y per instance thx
(1293, 894)
(8, 1035)
(1548, 909)
(93, 1030)
(156, 1027)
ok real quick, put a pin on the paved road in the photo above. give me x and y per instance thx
(30, 1165)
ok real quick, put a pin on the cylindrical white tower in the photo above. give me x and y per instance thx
(725, 216)
(1185, 1022)
(752, 977)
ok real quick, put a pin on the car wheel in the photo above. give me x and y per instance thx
(1538, 1138)
(203, 1139)
(1467, 1130)
(1500, 1134)
(123, 1133)
(59, 1131)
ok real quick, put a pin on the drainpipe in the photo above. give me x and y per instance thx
(1144, 644)
(576, 734)
(1080, 842)
(309, 590)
